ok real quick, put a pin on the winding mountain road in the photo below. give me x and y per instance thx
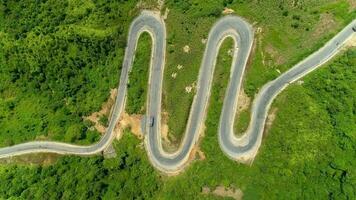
(242, 148)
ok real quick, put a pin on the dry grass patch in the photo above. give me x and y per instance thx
(222, 191)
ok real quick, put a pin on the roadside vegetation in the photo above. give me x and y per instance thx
(310, 150)
(127, 176)
(63, 67)
(138, 77)
(59, 60)
(285, 32)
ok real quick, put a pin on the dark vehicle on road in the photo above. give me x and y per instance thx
(354, 28)
(151, 121)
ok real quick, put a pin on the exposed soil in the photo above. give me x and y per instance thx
(269, 121)
(118, 131)
(352, 4)
(258, 41)
(326, 24)
(186, 49)
(230, 52)
(275, 55)
(174, 75)
(43, 159)
(197, 154)
(166, 140)
(105, 111)
(160, 4)
(351, 42)
(300, 82)
(243, 102)
(164, 127)
(165, 15)
(133, 122)
(224, 192)
(227, 11)
(188, 89)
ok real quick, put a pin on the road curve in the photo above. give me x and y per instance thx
(242, 148)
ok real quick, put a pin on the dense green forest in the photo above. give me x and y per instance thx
(308, 154)
(127, 176)
(59, 60)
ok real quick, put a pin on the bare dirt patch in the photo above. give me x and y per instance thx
(257, 44)
(275, 55)
(118, 132)
(165, 15)
(186, 49)
(132, 122)
(352, 4)
(243, 102)
(191, 88)
(166, 140)
(164, 126)
(43, 159)
(160, 4)
(300, 82)
(270, 119)
(174, 75)
(188, 89)
(149, 5)
(230, 52)
(351, 42)
(326, 24)
(227, 11)
(196, 154)
(222, 191)
(105, 111)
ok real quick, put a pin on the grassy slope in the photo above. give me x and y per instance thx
(310, 149)
(279, 45)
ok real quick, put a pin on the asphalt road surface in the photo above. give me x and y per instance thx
(242, 149)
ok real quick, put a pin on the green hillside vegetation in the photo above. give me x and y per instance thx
(138, 77)
(310, 150)
(128, 176)
(59, 60)
(285, 30)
